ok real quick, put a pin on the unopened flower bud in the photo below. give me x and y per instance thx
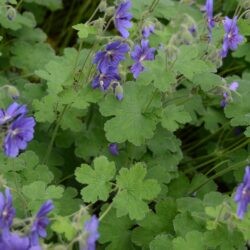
(11, 13)
(110, 11)
(113, 149)
(246, 4)
(171, 52)
(103, 6)
(99, 23)
(215, 58)
(119, 92)
(12, 92)
(186, 37)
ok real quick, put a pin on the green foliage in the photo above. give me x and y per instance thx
(138, 110)
(117, 234)
(174, 115)
(180, 154)
(97, 179)
(134, 191)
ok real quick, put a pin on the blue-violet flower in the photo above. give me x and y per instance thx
(122, 18)
(209, 15)
(232, 38)
(140, 54)
(113, 149)
(232, 87)
(41, 220)
(105, 77)
(113, 54)
(7, 211)
(91, 227)
(13, 111)
(242, 195)
(19, 133)
(148, 30)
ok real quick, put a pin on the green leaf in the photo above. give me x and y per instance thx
(207, 185)
(207, 81)
(31, 57)
(79, 98)
(239, 109)
(224, 238)
(64, 226)
(134, 191)
(69, 203)
(153, 71)
(213, 119)
(97, 179)
(184, 223)
(193, 240)
(164, 141)
(59, 72)
(190, 204)
(26, 19)
(117, 234)
(155, 223)
(84, 30)
(244, 25)
(188, 62)
(173, 116)
(243, 51)
(46, 109)
(179, 186)
(38, 191)
(51, 4)
(136, 111)
(160, 242)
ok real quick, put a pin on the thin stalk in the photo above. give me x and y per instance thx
(46, 158)
(222, 172)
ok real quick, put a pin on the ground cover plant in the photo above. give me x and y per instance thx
(124, 125)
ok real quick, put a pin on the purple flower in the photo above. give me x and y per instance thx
(140, 54)
(91, 227)
(7, 212)
(148, 30)
(232, 38)
(12, 241)
(113, 149)
(232, 87)
(209, 14)
(19, 133)
(119, 92)
(105, 77)
(113, 54)
(193, 30)
(123, 17)
(242, 195)
(41, 221)
(12, 112)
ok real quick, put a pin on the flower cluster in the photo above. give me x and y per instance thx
(12, 241)
(232, 38)
(18, 129)
(107, 61)
(242, 195)
(225, 96)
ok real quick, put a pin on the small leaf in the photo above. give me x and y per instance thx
(134, 191)
(173, 116)
(97, 179)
